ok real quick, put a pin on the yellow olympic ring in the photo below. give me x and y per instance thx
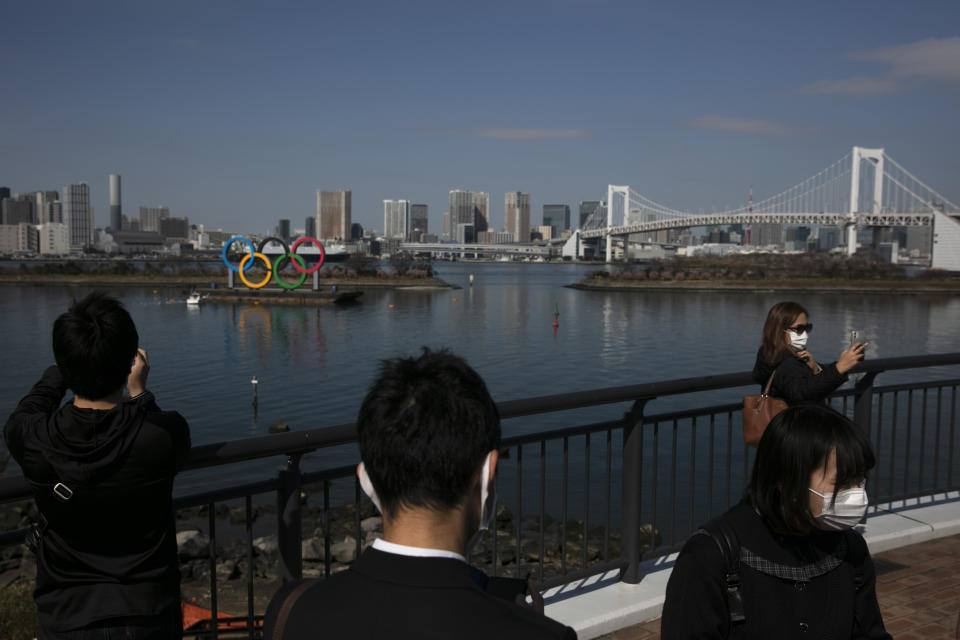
(243, 278)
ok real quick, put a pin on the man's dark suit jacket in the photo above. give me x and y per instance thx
(384, 595)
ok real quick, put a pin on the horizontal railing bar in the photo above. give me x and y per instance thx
(346, 471)
(556, 434)
(692, 413)
(226, 493)
(917, 386)
(203, 456)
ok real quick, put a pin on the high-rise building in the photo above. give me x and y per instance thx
(418, 222)
(116, 206)
(21, 208)
(78, 215)
(310, 227)
(557, 217)
(4, 192)
(283, 229)
(396, 219)
(447, 233)
(588, 207)
(469, 208)
(48, 207)
(481, 211)
(516, 215)
(333, 214)
(150, 217)
(356, 231)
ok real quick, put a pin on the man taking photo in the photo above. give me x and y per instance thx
(101, 468)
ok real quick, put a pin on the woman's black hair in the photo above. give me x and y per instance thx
(797, 442)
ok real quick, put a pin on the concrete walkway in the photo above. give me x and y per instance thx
(918, 588)
(915, 545)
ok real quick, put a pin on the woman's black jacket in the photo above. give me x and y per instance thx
(794, 381)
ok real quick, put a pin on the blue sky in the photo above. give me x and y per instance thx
(234, 113)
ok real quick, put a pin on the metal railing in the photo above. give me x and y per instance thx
(670, 470)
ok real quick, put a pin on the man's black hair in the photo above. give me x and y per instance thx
(94, 344)
(424, 429)
(797, 442)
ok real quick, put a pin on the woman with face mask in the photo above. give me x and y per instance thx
(793, 566)
(797, 377)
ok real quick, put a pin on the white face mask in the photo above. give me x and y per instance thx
(488, 497)
(845, 512)
(798, 341)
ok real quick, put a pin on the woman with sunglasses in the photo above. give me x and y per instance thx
(785, 562)
(797, 377)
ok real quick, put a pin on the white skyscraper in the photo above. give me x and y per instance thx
(516, 214)
(78, 215)
(396, 219)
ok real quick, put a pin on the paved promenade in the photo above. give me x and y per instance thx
(918, 587)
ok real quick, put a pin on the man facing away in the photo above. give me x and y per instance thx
(101, 468)
(428, 432)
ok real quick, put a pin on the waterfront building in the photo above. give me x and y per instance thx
(150, 217)
(545, 231)
(48, 207)
(78, 215)
(9, 239)
(466, 234)
(177, 229)
(419, 224)
(516, 214)
(396, 219)
(20, 237)
(129, 224)
(21, 208)
(557, 217)
(54, 238)
(828, 238)
(762, 235)
(446, 234)
(495, 237)
(356, 231)
(334, 214)
(469, 208)
(4, 192)
(116, 203)
(481, 211)
(919, 241)
(588, 207)
(310, 227)
(283, 229)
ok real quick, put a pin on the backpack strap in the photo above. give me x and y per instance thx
(284, 615)
(857, 555)
(727, 541)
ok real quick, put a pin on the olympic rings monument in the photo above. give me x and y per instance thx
(273, 270)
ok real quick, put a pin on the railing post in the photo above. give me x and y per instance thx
(630, 518)
(288, 521)
(863, 402)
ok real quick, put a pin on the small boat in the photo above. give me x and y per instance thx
(193, 298)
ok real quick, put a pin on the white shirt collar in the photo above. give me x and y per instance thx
(417, 552)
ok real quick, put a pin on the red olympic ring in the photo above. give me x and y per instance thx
(293, 251)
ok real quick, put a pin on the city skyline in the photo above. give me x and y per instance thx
(689, 104)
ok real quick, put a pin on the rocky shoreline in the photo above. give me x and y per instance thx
(18, 565)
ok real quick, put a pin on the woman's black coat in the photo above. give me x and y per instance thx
(794, 381)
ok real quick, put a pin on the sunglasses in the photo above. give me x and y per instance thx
(801, 328)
